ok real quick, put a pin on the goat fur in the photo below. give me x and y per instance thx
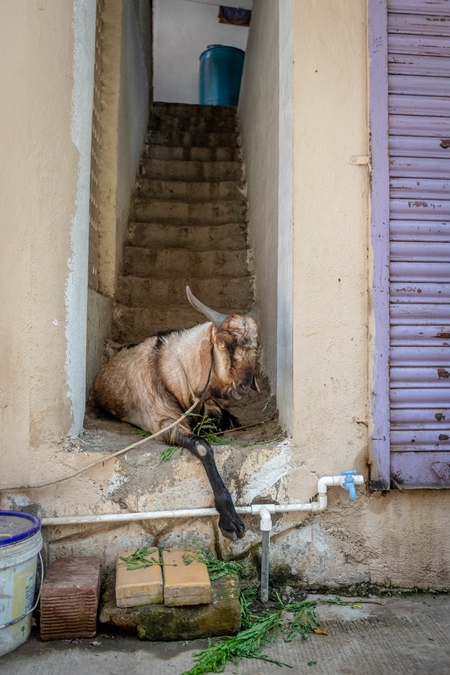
(151, 384)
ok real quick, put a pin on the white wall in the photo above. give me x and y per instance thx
(81, 132)
(182, 30)
(259, 118)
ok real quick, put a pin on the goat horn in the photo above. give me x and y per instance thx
(215, 317)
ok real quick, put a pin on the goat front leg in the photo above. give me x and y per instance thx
(230, 524)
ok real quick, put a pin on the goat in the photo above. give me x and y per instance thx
(151, 384)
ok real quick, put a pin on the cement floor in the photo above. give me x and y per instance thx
(407, 635)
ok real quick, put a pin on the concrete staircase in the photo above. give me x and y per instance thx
(187, 226)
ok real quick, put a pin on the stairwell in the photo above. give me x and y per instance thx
(187, 224)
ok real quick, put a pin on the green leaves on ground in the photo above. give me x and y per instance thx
(260, 629)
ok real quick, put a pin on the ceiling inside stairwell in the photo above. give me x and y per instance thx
(182, 30)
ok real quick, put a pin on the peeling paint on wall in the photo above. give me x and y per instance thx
(269, 474)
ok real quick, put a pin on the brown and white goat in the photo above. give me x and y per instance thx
(151, 384)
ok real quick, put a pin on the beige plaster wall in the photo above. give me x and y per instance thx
(398, 538)
(38, 167)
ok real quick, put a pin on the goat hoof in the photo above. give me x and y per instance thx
(236, 533)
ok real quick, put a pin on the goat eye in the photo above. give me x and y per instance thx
(221, 345)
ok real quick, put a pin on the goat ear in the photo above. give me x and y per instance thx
(205, 363)
(215, 317)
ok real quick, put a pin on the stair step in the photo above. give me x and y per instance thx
(136, 324)
(195, 191)
(193, 123)
(169, 169)
(195, 153)
(189, 213)
(161, 108)
(170, 262)
(188, 224)
(171, 293)
(208, 139)
(230, 236)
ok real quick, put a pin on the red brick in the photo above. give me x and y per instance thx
(69, 598)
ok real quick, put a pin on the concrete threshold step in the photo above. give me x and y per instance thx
(195, 191)
(144, 262)
(195, 153)
(170, 293)
(189, 213)
(207, 139)
(169, 169)
(227, 236)
(137, 324)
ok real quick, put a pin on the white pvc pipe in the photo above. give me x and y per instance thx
(254, 509)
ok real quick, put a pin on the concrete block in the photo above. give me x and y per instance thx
(69, 598)
(185, 584)
(222, 616)
(134, 587)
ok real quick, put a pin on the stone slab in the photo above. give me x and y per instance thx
(134, 587)
(69, 598)
(160, 622)
(185, 584)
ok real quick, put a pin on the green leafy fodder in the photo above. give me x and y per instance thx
(216, 568)
(206, 427)
(139, 559)
(168, 452)
(260, 629)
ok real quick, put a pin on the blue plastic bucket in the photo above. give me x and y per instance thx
(20, 543)
(220, 75)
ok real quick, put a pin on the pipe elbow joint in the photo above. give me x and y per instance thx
(266, 519)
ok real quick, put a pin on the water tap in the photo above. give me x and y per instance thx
(349, 483)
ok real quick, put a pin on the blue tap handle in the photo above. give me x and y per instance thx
(349, 483)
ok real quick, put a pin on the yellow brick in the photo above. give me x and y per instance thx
(185, 584)
(143, 586)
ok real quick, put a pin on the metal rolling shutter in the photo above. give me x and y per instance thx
(419, 173)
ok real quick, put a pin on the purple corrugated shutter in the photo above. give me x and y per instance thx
(418, 50)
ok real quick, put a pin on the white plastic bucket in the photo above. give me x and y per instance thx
(20, 543)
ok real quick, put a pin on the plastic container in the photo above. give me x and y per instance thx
(20, 543)
(220, 75)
